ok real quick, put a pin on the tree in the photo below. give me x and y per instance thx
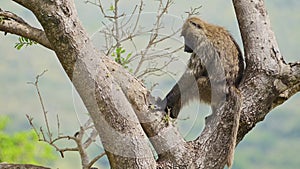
(118, 103)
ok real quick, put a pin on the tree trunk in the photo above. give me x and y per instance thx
(119, 104)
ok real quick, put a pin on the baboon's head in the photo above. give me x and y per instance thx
(193, 30)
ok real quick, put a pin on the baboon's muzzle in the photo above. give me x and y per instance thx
(188, 49)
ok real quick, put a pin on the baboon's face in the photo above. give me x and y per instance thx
(192, 30)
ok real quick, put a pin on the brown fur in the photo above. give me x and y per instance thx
(215, 65)
(212, 47)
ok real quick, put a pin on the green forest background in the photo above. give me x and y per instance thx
(273, 144)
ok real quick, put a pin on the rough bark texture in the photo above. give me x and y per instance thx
(118, 103)
(268, 78)
(21, 166)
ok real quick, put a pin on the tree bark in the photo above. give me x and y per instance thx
(119, 104)
(21, 166)
(268, 79)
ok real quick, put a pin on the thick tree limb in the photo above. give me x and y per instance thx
(219, 135)
(261, 49)
(265, 65)
(164, 137)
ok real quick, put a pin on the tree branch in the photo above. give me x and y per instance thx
(219, 135)
(259, 40)
(288, 84)
(263, 57)
(13, 24)
(263, 81)
(156, 129)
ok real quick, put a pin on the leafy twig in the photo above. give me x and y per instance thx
(24, 42)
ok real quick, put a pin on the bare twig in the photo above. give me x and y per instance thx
(58, 126)
(30, 119)
(41, 101)
(91, 139)
(162, 10)
(92, 162)
(194, 11)
(77, 138)
(121, 31)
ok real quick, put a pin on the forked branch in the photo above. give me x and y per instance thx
(11, 23)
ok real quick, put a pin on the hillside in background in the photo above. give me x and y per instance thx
(273, 144)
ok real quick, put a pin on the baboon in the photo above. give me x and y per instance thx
(216, 63)
(215, 68)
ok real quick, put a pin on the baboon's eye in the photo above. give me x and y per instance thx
(195, 24)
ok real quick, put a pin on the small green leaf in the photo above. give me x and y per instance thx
(19, 46)
(118, 50)
(1, 19)
(127, 58)
(24, 41)
(111, 8)
(119, 57)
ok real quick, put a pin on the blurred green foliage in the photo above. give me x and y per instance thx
(22, 147)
